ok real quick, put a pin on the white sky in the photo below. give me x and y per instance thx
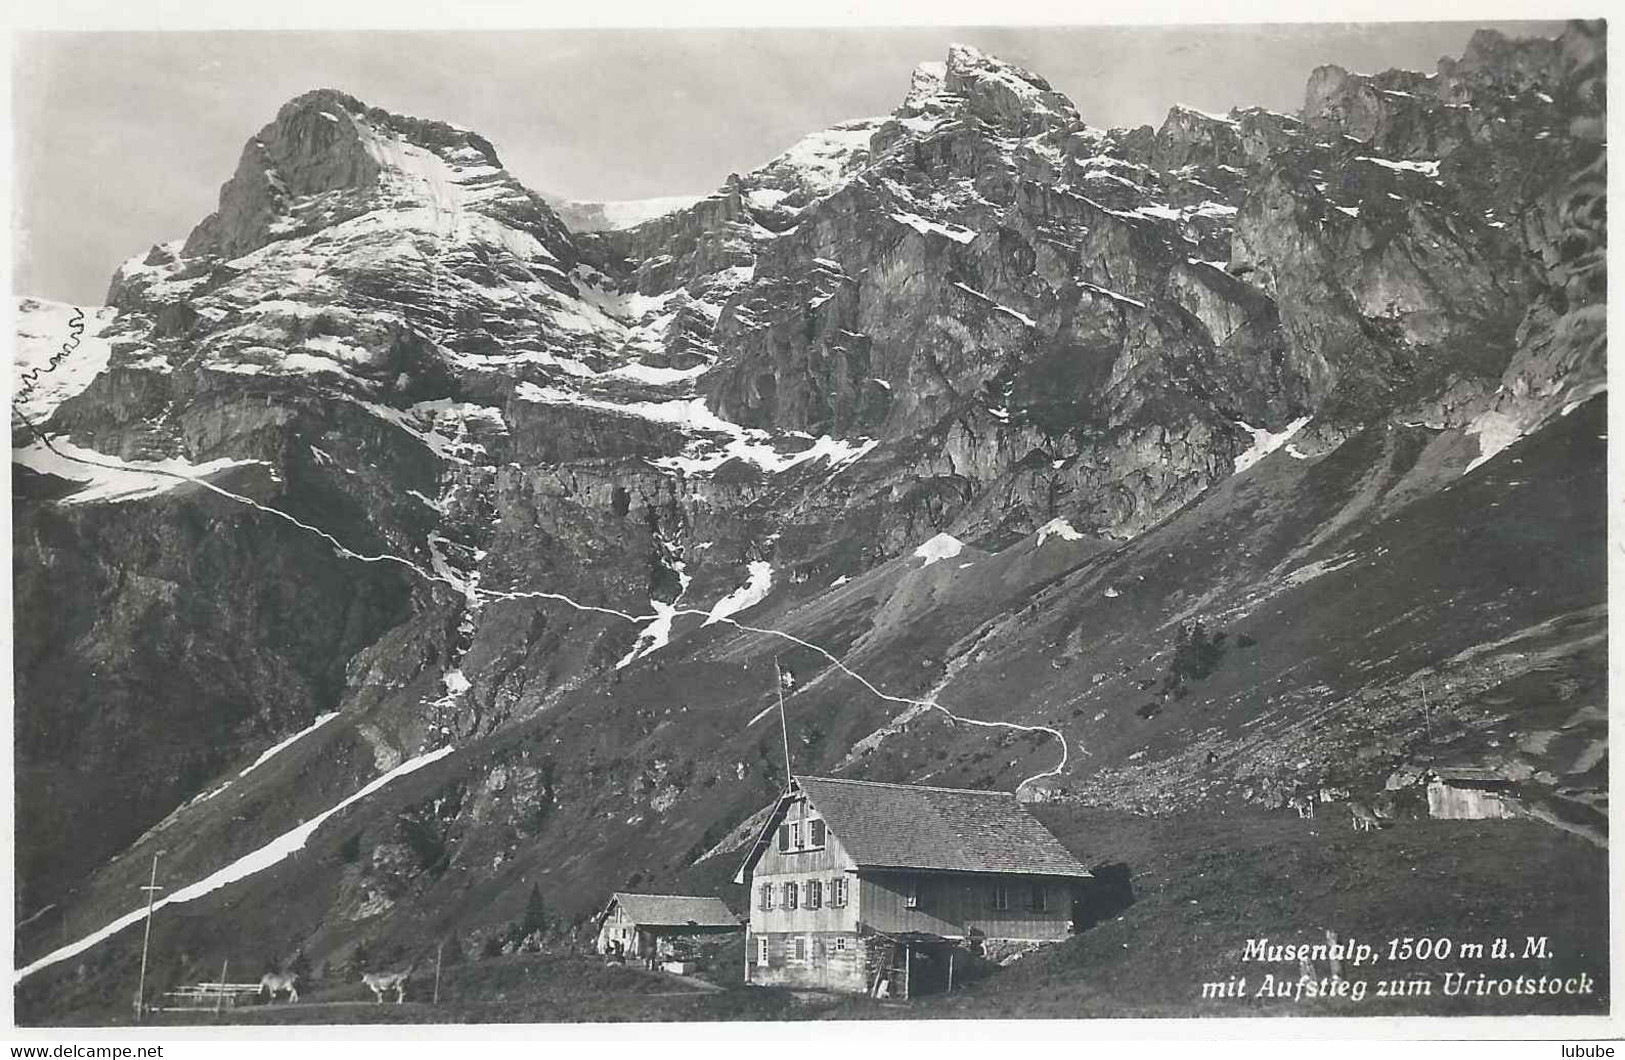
(122, 140)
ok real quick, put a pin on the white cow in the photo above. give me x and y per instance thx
(380, 983)
(276, 983)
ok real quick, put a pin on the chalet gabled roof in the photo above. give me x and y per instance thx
(674, 910)
(911, 826)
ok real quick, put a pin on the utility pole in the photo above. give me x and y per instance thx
(220, 996)
(784, 727)
(152, 889)
(439, 951)
(1427, 709)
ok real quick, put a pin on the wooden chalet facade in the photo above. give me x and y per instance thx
(647, 924)
(853, 882)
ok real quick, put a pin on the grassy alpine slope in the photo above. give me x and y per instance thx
(1204, 882)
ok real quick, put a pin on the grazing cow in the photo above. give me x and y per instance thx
(1362, 817)
(275, 983)
(1304, 806)
(380, 983)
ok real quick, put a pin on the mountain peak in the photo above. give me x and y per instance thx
(333, 98)
(964, 57)
(974, 84)
(968, 62)
(925, 84)
(327, 157)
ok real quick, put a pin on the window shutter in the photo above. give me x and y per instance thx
(817, 831)
(784, 838)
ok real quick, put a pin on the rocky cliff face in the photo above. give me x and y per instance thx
(498, 493)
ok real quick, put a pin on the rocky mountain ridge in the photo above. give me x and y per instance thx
(1176, 373)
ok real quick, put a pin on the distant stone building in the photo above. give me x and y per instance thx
(645, 924)
(878, 888)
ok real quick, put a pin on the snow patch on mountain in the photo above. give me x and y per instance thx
(112, 479)
(653, 637)
(1058, 528)
(689, 414)
(277, 749)
(926, 227)
(1113, 295)
(943, 546)
(750, 446)
(995, 305)
(1493, 430)
(1427, 169)
(748, 595)
(1266, 442)
(692, 415)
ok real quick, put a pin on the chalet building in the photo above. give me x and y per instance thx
(878, 888)
(650, 923)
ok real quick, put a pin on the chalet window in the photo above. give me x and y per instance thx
(911, 892)
(815, 894)
(837, 891)
(1040, 899)
(790, 896)
(784, 838)
(1001, 896)
(815, 833)
(795, 835)
(801, 948)
(761, 951)
(840, 944)
(767, 897)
